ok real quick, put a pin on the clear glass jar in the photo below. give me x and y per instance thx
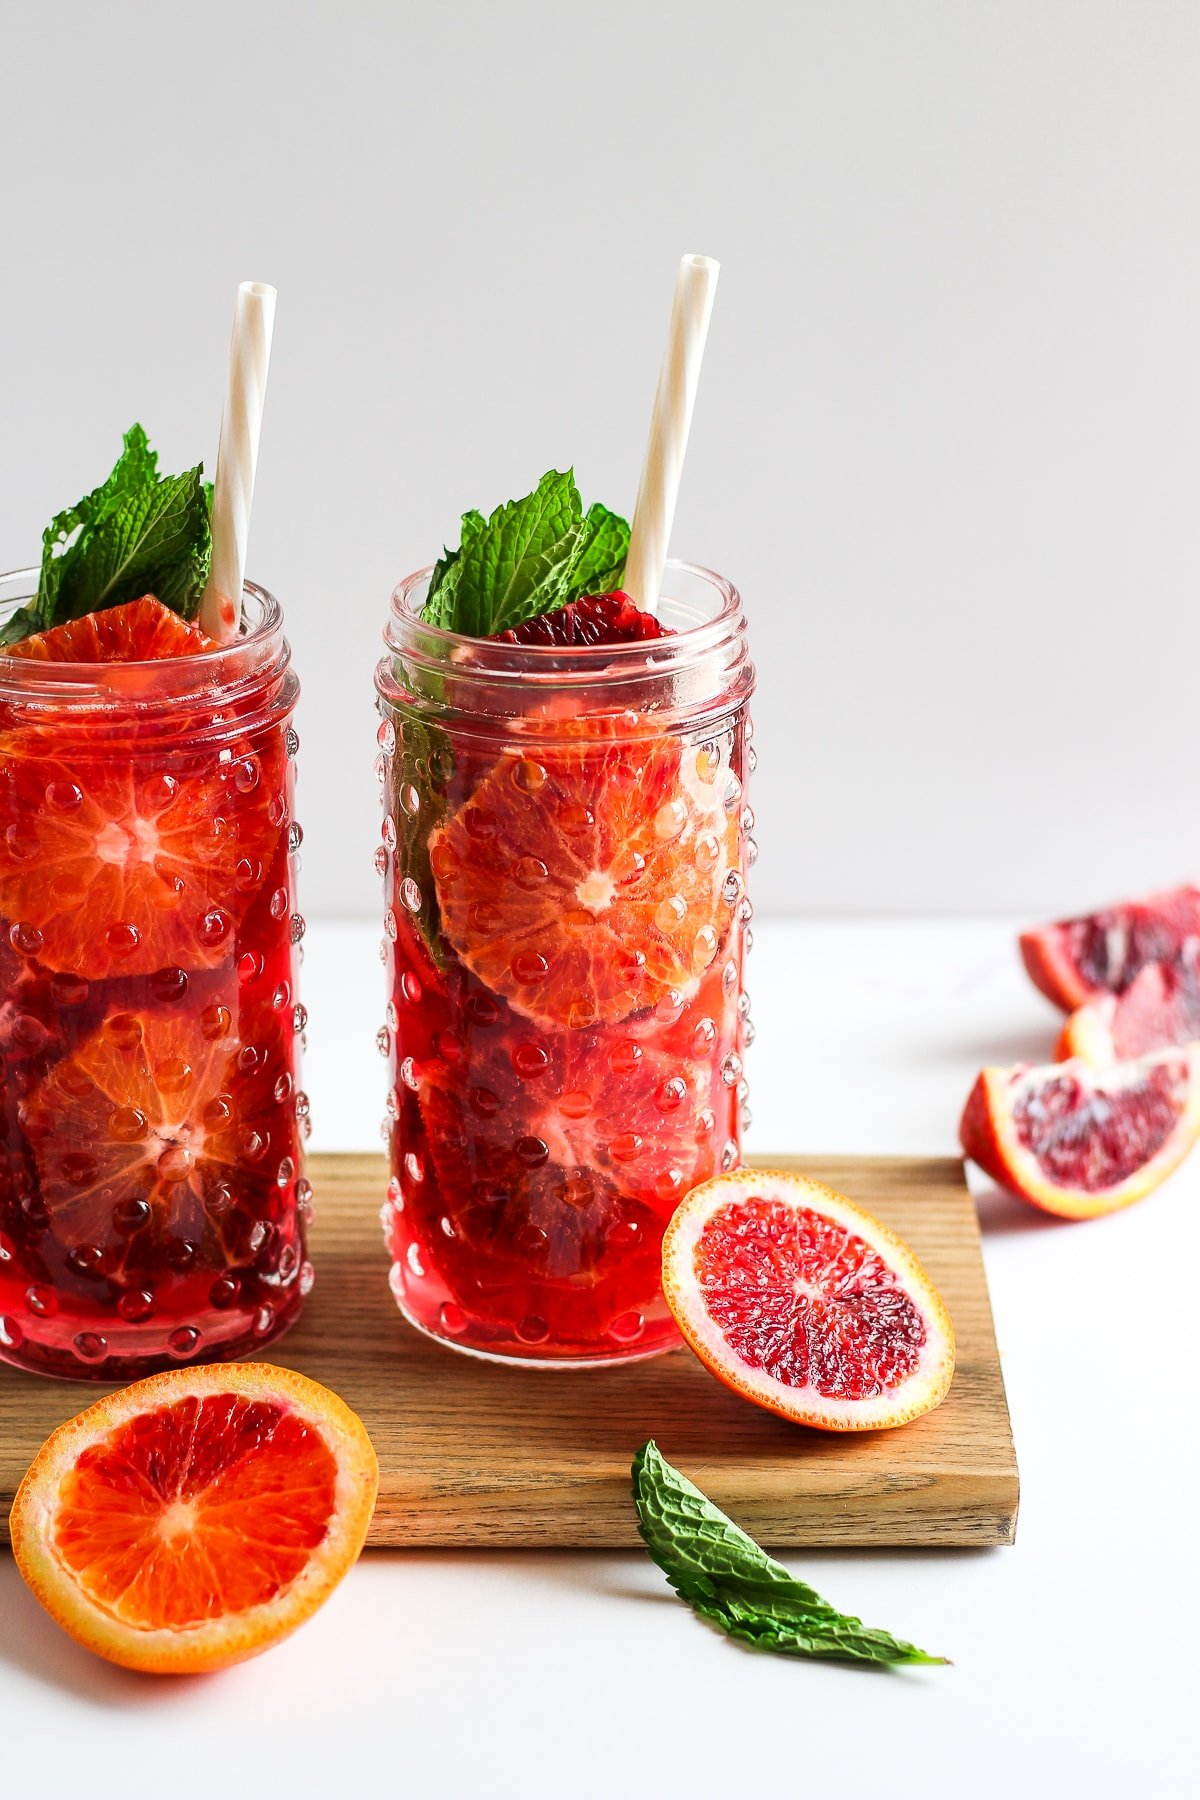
(152, 1199)
(566, 835)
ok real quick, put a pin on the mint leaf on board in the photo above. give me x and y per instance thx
(137, 533)
(726, 1578)
(530, 556)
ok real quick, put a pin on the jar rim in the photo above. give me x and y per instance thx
(406, 631)
(79, 681)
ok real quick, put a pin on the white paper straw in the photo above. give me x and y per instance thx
(650, 534)
(237, 458)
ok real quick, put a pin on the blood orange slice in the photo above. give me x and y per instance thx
(106, 870)
(154, 1127)
(583, 881)
(1078, 1141)
(800, 1301)
(1159, 1008)
(1103, 952)
(140, 631)
(196, 1518)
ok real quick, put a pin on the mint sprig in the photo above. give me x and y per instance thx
(530, 557)
(726, 1578)
(137, 533)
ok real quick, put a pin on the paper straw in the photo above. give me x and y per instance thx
(237, 458)
(650, 534)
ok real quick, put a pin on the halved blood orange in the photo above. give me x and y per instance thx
(140, 631)
(1079, 1141)
(1159, 1008)
(108, 870)
(196, 1518)
(582, 880)
(154, 1125)
(1103, 952)
(802, 1302)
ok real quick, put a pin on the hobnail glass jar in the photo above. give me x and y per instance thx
(566, 835)
(152, 1197)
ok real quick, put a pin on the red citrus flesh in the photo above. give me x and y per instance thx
(557, 1159)
(140, 631)
(196, 1518)
(1103, 952)
(1160, 1008)
(105, 870)
(596, 619)
(800, 1301)
(1077, 1141)
(583, 880)
(161, 1127)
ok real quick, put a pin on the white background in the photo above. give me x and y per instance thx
(948, 441)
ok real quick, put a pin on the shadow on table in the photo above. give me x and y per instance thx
(1003, 1215)
(33, 1644)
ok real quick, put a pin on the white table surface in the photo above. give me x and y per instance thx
(486, 1674)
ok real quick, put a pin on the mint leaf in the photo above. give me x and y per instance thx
(726, 1578)
(599, 567)
(505, 566)
(136, 466)
(135, 534)
(429, 764)
(21, 624)
(155, 540)
(528, 558)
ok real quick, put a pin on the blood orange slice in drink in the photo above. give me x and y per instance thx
(800, 1301)
(1160, 1007)
(1078, 1141)
(154, 1127)
(105, 870)
(196, 1518)
(140, 631)
(1103, 952)
(582, 879)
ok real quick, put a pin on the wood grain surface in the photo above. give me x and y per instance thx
(475, 1454)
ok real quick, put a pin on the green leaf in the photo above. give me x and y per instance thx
(472, 523)
(155, 540)
(504, 567)
(135, 534)
(136, 466)
(21, 624)
(599, 566)
(528, 558)
(726, 1578)
(428, 762)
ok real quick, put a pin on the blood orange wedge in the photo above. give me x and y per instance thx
(1078, 1141)
(798, 1300)
(583, 881)
(110, 872)
(1103, 952)
(157, 1124)
(140, 631)
(1159, 1008)
(196, 1518)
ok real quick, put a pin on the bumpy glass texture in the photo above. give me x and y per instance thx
(565, 927)
(152, 1196)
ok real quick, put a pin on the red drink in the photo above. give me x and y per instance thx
(152, 1201)
(565, 841)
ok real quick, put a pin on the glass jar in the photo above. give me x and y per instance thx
(152, 1200)
(565, 842)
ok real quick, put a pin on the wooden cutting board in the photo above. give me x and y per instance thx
(472, 1453)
